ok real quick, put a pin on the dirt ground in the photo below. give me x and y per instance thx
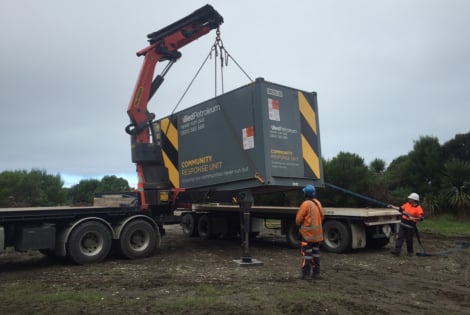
(192, 276)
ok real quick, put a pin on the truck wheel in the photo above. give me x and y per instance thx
(89, 242)
(138, 239)
(189, 224)
(336, 236)
(293, 236)
(204, 227)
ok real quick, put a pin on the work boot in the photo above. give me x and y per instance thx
(303, 276)
(395, 253)
(316, 276)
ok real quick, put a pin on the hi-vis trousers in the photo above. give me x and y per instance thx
(310, 258)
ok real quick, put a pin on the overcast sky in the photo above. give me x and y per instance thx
(386, 73)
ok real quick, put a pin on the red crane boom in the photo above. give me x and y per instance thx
(164, 45)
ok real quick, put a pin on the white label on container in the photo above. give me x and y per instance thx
(248, 138)
(273, 107)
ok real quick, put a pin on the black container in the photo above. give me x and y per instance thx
(262, 136)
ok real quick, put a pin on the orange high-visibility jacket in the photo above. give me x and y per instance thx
(416, 212)
(310, 217)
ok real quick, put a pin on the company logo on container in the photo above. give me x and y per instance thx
(283, 129)
(201, 113)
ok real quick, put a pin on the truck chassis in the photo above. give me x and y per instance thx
(344, 228)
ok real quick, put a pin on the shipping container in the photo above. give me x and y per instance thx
(262, 136)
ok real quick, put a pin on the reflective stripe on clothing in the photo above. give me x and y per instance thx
(310, 258)
(316, 250)
(315, 238)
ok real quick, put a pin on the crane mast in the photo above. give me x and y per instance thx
(153, 183)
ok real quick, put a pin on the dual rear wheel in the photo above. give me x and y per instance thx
(197, 225)
(91, 241)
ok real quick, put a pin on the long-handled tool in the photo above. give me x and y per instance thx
(420, 244)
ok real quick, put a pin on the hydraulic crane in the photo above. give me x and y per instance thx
(153, 184)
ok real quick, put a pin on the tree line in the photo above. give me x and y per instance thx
(440, 174)
(37, 188)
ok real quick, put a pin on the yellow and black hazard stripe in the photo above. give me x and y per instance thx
(309, 136)
(169, 142)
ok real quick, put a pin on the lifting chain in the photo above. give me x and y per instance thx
(218, 49)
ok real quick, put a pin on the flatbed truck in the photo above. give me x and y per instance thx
(87, 234)
(260, 138)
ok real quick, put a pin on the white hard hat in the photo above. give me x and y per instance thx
(414, 196)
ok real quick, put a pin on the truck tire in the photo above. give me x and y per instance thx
(293, 236)
(204, 227)
(336, 236)
(89, 242)
(189, 224)
(138, 239)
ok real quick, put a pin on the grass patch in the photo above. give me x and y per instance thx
(446, 225)
(89, 297)
(20, 293)
(237, 300)
(301, 294)
(204, 295)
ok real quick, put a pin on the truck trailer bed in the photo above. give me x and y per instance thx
(59, 212)
(369, 215)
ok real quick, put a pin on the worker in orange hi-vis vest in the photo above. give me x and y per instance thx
(411, 214)
(309, 219)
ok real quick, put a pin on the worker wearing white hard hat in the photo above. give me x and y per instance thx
(412, 213)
